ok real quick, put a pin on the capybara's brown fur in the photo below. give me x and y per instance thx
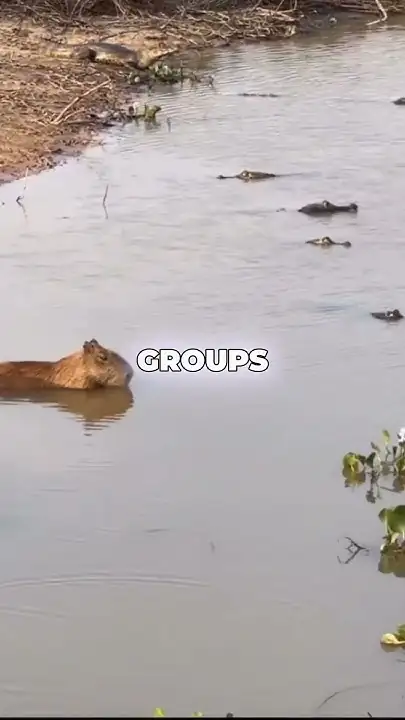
(91, 368)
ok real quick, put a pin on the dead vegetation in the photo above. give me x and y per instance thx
(169, 11)
(51, 105)
(48, 105)
(45, 107)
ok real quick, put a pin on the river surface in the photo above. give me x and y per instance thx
(179, 549)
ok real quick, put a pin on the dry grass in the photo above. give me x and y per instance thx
(81, 10)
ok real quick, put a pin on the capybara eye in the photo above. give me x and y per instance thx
(103, 357)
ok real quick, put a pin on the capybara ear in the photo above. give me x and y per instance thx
(90, 346)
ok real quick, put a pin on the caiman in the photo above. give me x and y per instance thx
(261, 95)
(327, 242)
(248, 176)
(389, 315)
(327, 208)
(109, 53)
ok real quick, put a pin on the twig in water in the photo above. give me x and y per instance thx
(383, 14)
(58, 119)
(20, 198)
(104, 201)
(383, 683)
(353, 549)
(169, 124)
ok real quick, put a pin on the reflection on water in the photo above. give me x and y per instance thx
(393, 562)
(94, 409)
(242, 472)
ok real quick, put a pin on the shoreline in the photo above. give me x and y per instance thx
(53, 107)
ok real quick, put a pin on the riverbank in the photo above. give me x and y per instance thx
(51, 105)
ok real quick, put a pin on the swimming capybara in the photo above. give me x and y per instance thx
(91, 368)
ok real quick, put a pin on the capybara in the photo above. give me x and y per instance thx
(91, 368)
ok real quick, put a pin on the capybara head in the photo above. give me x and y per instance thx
(105, 366)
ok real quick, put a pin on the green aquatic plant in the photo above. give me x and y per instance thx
(392, 562)
(392, 552)
(158, 713)
(160, 72)
(394, 640)
(386, 459)
(394, 523)
(166, 74)
(148, 113)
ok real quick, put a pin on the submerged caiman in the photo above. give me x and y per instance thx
(389, 315)
(248, 176)
(327, 242)
(328, 208)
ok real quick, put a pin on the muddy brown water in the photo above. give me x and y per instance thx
(178, 547)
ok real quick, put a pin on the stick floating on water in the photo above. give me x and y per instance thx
(105, 200)
(20, 198)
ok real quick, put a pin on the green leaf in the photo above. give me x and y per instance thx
(386, 437)
(158, 713)
(352, 462)
(375, 447)
(400, 632)
(390, 639)
(197, 714)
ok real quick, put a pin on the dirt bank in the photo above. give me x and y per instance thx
(50, 105)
